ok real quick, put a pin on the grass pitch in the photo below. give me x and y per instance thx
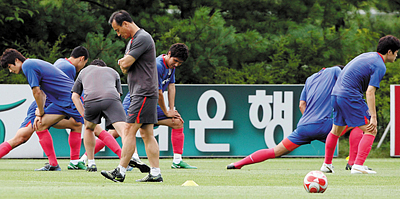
(276, 178)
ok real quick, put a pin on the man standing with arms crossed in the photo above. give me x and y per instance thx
(139, 63)
(362, 74)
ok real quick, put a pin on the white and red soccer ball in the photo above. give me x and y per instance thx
(315, 182)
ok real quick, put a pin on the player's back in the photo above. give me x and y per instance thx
(100, 83)
(54, 82)
(66, 66)
(317, 95)
(366, 69)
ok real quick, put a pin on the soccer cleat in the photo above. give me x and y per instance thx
(129, 168)
(135, 163)
(113, 175)
(182, 165)
(327, 168)
(231, 166)
(150, 178)
(79, 166)
(348, 167)
(92, 168)
(48, 167)
(360, 169)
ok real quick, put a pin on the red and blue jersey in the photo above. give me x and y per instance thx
(317, 95)
(67, 67)
(364, 70)
(54, 82)
(165, 75)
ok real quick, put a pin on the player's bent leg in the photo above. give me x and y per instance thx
(23, 134)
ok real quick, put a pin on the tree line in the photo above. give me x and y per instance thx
(230, 42)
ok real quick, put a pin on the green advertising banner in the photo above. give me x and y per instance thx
(227, 121)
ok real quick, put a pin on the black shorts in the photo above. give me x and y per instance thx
(112, 110)
(142, 110)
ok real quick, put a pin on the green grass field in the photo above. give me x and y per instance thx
(276, 178)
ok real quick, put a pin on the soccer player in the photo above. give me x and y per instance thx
(100, 101)
(139, 62)
(361, 75)
(314, 124)
(51, 82)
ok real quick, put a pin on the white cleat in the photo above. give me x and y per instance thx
(360, 169)
(327, 168)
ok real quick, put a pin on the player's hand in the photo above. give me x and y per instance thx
(37, 121)
(373, 123)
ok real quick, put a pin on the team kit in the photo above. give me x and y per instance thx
(70, 95)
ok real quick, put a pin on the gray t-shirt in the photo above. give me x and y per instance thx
(98, 83)
(142, 75)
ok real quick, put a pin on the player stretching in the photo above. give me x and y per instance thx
(314, 124)
(46, 81)
(139, 63)
(100, 101)
(362, 74)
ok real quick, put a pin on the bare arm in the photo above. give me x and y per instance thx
(161, 103)
(171, 96)
(302, 106)
(78, 104)
(370, 96)
(125, 63)
(40, 98)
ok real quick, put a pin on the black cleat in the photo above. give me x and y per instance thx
(150, 178)
(140, 165)
(48, 167)
(348, 167)
(92, 168)
(113, 175)
(231, 166)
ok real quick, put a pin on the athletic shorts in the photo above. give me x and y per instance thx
(30, 116)
(349, 111)
(68, 112)
(110, 109)
(142, 110)
(304, 134)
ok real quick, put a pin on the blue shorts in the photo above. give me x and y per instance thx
(304, 134)
(352, 112)
(68, 112)
(30, 115)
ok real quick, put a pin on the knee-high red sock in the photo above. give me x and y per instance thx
(177, 140)
(258, 156)
(354, 140)
(330, 145)
(364, 148)
(46, 141)
(75, 142)
(5, 148)
(110, 142)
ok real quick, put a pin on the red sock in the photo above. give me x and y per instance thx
(177, 140)
(5, 148)
(354, 139)
(46, 141)
(75, 142)
(330, 145)
(110, 142)
(258, 156)
(364, 148)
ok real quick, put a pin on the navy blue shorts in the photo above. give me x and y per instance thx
(68, 112)
(304, 134)
(352, 112)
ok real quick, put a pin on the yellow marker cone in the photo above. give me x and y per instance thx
(190, 183)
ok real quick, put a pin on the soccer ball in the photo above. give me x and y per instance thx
(315, 182)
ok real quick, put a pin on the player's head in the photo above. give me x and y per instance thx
(120, 21)
(79, 57)
(98, 62)
(177, 54)
(389, 46)
(12, 59)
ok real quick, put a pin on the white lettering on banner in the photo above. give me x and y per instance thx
(210, 123)
(282, 114)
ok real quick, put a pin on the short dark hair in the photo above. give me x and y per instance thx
(179, 50)
(98, 62)
(80, 51)
(386, 43)
(9, 56)
(120, 16)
